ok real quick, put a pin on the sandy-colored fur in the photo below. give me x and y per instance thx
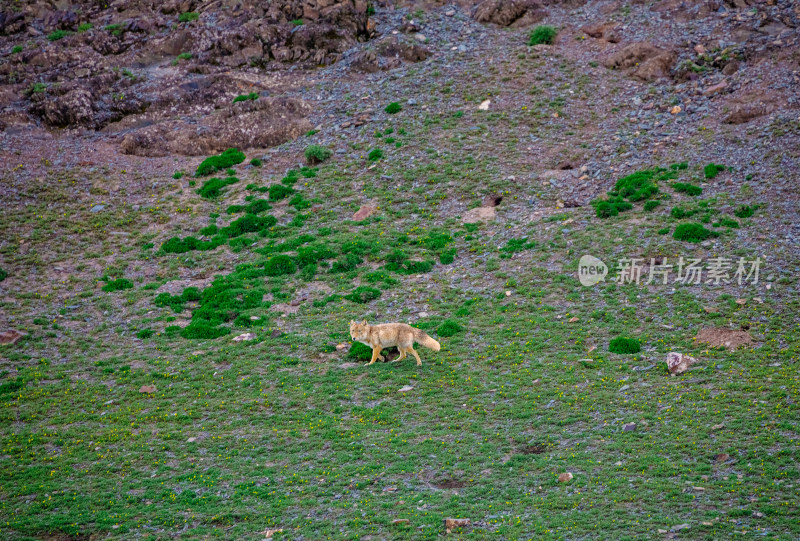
(391, 334)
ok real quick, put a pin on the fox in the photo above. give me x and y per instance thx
(391, 334)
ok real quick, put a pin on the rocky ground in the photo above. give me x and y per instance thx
(106, 110)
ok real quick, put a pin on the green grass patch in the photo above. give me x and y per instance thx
(449, 328)
(393, 108)
(317, 154)
(712, 170)
(688, 189)
(625, 346)
(693, 233)
(252, 96)
(188, 16)
(212, 164)
(543, 35)
(118, 285)
(212, 188)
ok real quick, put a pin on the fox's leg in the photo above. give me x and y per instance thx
(414, 353)
(402, 351)
(376, 352)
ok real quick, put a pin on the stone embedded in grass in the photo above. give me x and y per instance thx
(625, 346)
(479, 215)
(147, 389)
(452, 523)
(678, 363)
(245, 337)
(693, 233)
(405, 389)
(629, 427)
(364, 212)
(10, 337)
(565, 477)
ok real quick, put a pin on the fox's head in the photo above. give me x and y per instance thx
(358, 331)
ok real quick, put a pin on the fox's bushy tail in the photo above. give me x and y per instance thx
(426, 341)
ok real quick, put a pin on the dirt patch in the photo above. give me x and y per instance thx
(729, 338)
(535, 449)
(449, 483)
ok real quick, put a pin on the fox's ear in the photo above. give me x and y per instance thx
(352, 322)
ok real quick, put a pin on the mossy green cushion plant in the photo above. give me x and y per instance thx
(693, 233)
(317, 154)
(375, 154)
(118, 285)
(542, 35)
(363, 294)
(745, 211)
(213, 187)
(625, 346)
(188, 17)
(651, 205)
(448, 328)
(688, 189)
(252, 96)
(3, 275)
(212, 164)
(610, 207)
(279, 265)
(58, 34)
(712, 170)
(393, 108)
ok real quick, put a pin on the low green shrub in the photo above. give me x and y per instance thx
(449, 328)
(363, 294)
(188, 17)
(212, 164)
(650, 205)
(177, 245)
(712, 170)
(58, 34)
(727, 222)
(375, 154)
(745, 211)
(203, 331)
(542, 35)
(3, 274)
(317, 154)
(279, 265)
(688, 189)
(625, 346)
(252, 96)
(213, 187)
(693, 233)
(279, 191)
(393, 108)
(118, 285)
(144, 333)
